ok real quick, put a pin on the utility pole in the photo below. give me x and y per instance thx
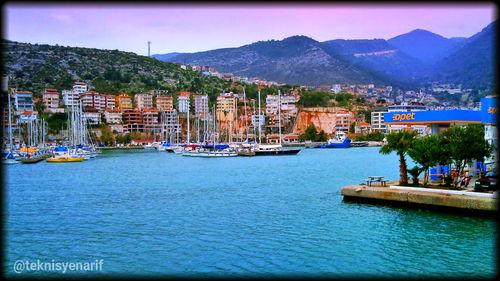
(149, 48)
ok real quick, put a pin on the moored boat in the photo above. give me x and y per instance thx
(65, 159)
(275, 149)
(341, 141)
(359, 143)
(29, 159)
(10, 158)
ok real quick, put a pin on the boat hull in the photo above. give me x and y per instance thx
(210, 154)
(65, 160)
(246, 153)
(334, 145)
(277, 152)
(10, 161)
(35, 159)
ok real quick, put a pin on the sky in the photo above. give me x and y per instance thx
(193, 27)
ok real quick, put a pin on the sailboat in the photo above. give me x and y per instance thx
(9, 156)
(78, 149)
(275, 149)
(210, 151)
(35, 150)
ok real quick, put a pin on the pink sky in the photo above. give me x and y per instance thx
(192, 28)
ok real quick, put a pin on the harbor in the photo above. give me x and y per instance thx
(247, 140)
(273, 215)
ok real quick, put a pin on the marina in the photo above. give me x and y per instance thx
(250, 141)
(237, 215)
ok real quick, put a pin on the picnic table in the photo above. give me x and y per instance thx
(373, 179)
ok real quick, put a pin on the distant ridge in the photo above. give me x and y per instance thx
(412, 59)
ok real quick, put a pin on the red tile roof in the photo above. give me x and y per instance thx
(363, 124)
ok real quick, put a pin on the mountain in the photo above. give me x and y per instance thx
(472, 65)
(294, 60)
(378, 56)
(166, 57)
(424, 45)
(38, 66)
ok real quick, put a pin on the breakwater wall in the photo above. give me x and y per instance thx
(424, 198)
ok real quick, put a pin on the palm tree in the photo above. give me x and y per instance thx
(400, 142)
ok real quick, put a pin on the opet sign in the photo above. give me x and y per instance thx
(403, 116)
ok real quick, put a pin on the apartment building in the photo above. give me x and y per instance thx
(144, 101)
(150, 119)
(362, 128)
(50, 99)
(377, 119)
(183, 100)
(164, 103)
(71, 98)
(287, 110)
(226, 106)
(107, 102)
(91, 100)
(23, 100)
(113, 116)
(124, 102)
(343, 121)
(149, 116)
(132, 116)
(80, 87)
(92, 117)
(201, 105)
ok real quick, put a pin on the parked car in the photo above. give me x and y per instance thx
(488, 182)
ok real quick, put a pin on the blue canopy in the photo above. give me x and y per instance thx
(61, 149)
(217, 146)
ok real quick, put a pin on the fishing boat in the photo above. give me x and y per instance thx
(340, 141)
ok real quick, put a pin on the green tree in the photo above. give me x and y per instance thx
(311, 133)
(312, 99)
(400, 142)
(465, 144)
(428, 151)
(135, 136)
(375, 136)
(322, 136)
(414, 173)
(107, 136)
(352, 128)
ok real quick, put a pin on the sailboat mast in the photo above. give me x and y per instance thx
(245, 108)
(279, 114)
(10, 121)
(214, 127)
(260, 116)
(198, 126)
(188, 124)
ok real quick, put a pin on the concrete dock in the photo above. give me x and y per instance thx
(424, 198)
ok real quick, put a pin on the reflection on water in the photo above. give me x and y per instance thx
(147, 212)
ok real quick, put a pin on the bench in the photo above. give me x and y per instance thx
(371, 180)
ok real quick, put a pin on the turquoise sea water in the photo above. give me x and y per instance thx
(157, 213)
